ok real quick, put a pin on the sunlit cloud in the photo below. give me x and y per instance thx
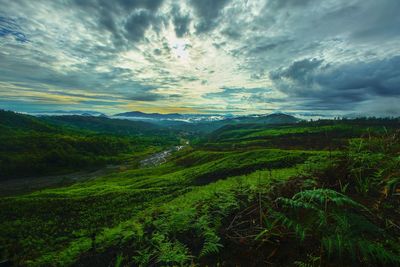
(220, 56)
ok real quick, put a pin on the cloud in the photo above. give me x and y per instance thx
(208, 12)
(329, 86)
(126, 20)
(153, 97)
(227, 55)
(300, 71)
(10, 27)
(137, 23)
(227, 92)
(181, 21)
(278, 4)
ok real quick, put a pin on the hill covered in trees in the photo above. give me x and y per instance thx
(31, 146)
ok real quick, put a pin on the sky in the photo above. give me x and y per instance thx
(308, 57)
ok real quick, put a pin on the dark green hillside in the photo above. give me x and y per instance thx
(318, 135)
(102, 124)
(31, 146)
(11, 121)
(277, 118)
(205, 127)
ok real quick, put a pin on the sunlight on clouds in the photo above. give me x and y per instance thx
(143, 52)
(157, 108)
(23, 92)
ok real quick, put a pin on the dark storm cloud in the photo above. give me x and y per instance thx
(288, 3)
(208, 12)
(181, 21)
(339, 86)
(126, 20)
(152, 97)
(300, 71)
(382, 20)
(231, 92)
(118, 5)
(146, 97)
(137, 23)
(289, 29)
(149, 4)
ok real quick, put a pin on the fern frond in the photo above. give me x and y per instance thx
(299, 229)
(211, 244)
(373, 251)
(295, 204)
(322, 195)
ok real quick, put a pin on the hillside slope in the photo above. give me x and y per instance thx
(228, 206)
(103, 124)
(31, 146)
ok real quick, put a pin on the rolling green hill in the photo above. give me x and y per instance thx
(307, 194)
(31, 146)
(11, 121)
(103, 124)
(276, 118)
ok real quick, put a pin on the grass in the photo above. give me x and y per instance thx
(179, 216)
(222, 206)
(76, 212)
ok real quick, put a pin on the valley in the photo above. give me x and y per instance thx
(322, 193)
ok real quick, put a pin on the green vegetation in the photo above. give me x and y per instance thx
(245, 195)
(32, 146)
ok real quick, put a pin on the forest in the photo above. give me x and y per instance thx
(238, 193)
(53, 145)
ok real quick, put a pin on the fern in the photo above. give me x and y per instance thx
(376, 252)
(392, 184)
(211, 239)
(324, 196)
(296, 204)
(173, 253)
(144, 256)
(292, 224)
(337, 221)
(311, 261)
(119, 260)
(211, 244)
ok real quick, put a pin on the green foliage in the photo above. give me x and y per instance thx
(119, 260)
(102, 125)
(339, 222)
(178, 213)
(318, 199)
(30, 146)
(211, 239)
(312, 261)
(170, 252)
(374, 162)
(363, 166)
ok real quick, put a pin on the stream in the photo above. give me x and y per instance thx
(160, 157)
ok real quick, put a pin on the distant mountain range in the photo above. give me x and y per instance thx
(133, 123)
(179, 119)
(137, 115)
(69, 112)
(278, 118)
(137, 122)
